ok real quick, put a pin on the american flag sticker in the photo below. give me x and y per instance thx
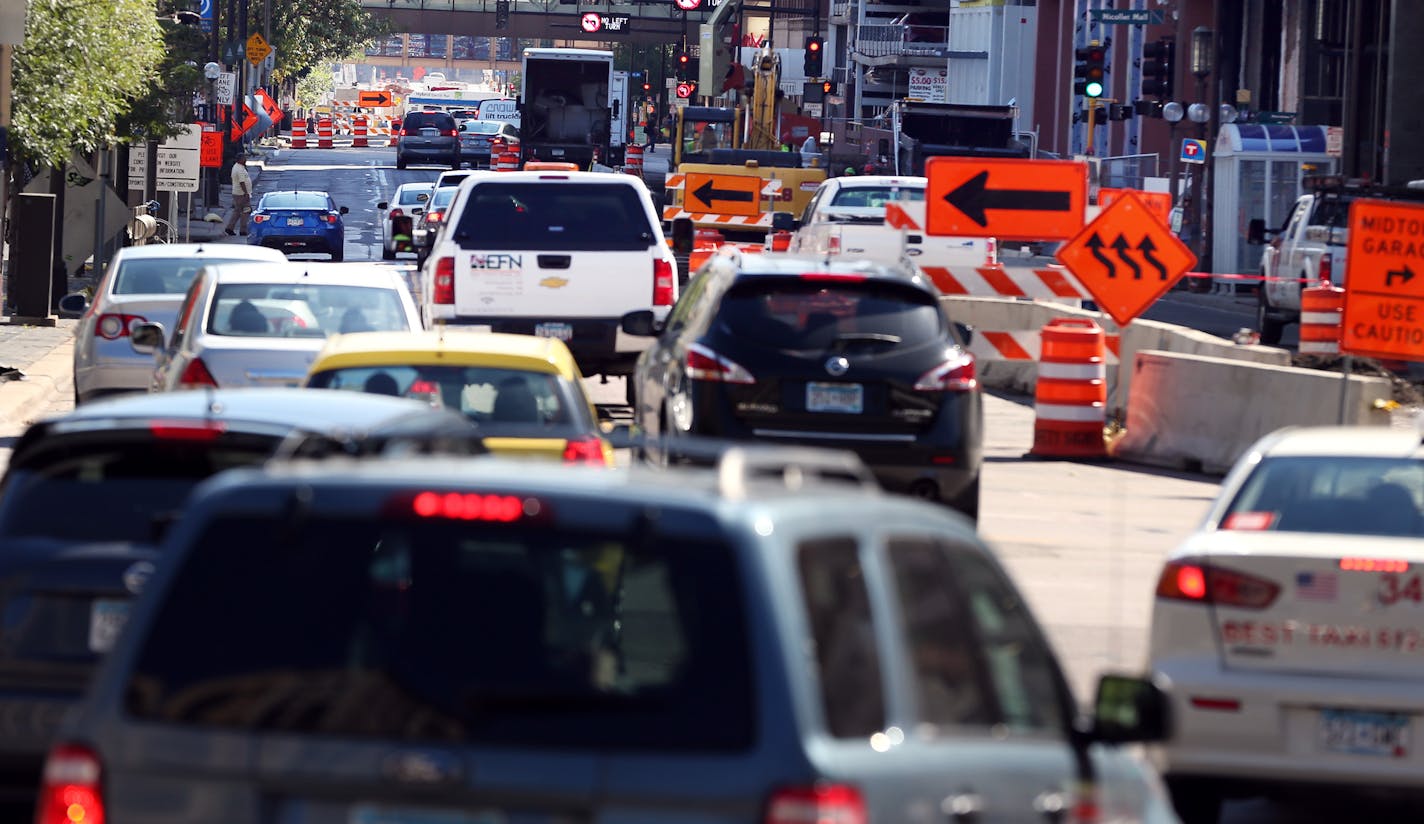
(1316, 586)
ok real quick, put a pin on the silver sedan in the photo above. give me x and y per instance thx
(400, 215)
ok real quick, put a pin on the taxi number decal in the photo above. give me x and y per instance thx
(497, 261)
(1302, 634)
(1395, 588)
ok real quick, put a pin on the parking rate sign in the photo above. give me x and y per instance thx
(1384, 292)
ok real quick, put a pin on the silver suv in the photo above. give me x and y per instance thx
(478, 640)
(428, 137)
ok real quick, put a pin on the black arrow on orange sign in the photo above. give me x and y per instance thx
(974, 199)
(1406, 274)
(1122, 247)
(707, 193)
(1147, 247)
(1095, 245)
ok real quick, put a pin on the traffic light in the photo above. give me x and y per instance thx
(501, 14)
(1089, 71)
(815, 46)
(828, 87)
(682, 63)
(647, 87)
(1158, 66)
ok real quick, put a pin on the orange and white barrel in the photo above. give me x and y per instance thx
(359, 137)
(299, 133)
(1322, 308)
(508, 162)
(323, 134)
(497, 148)
(1070, 399)
(780, 241)
(633, 160)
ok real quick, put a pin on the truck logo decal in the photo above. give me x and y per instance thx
(497, 261)
(554, 283)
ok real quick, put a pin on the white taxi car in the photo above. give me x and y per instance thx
(1290, 626)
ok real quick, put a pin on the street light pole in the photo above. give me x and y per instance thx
(1203, 56)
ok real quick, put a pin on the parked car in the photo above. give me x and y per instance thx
(850, 354)
(476, 135)
(141, 284)
(672, 646)
(263, 325)
(555, 253)
(301, 222)
(428, 138)
(1288, 624)
(428, 225)
(525, 393)
(401, 212)
(83, 502)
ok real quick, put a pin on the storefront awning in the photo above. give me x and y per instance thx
(1251, 138)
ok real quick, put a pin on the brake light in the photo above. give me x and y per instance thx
(443, 291)
(447, 132)
(432, 217)
(954, 375)
(70, 792)
(1373, 565)
(196, 431)
(113, 326)
(585, 451)
(1249, 521)
(703, 364)
(330, 218)
(196, 374)
(821, 804)
(664, 283)
(397, 213)
(1325, 267)
(1195, 581)
(837, 277)
(471, 506)
(260, 218)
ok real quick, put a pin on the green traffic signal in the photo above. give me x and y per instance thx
(1093, 89)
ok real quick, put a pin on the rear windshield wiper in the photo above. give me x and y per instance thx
(877, 337)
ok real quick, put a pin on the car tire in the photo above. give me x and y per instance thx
(387, 253)
(1196, 801)
(338, 255)
(967, 502)
(400, 163)
(455, 164)
(1267, 323)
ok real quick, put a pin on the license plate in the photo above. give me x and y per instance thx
(369, 814)
(106, 621)
(559, 331)
(847, 398)
(429, 132)
(295, 221)
(1365, 733)
(556, 152)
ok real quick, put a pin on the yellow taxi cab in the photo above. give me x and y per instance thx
(525, 393)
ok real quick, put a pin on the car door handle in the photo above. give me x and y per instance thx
(554, 261)
(965, 806)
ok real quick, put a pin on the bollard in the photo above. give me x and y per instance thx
(1070, 399)
(299, 133)
(358, 133)
(1322, 307)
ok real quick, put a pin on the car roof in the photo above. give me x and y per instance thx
(198, 250)
(785, 265)
(455, 347)
(429, 184)
(878, 181)
(314, 272)
(1344, 441)
(562, 177)
(296, 192)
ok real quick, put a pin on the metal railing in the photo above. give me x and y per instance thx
(1126, 171)
(880, 40)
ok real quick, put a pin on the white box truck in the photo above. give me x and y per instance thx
(565, 106)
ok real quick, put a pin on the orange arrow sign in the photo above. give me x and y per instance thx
(723, 194)
(373, 99)
(1127, 258)
(1384, 295)
(1013, 199)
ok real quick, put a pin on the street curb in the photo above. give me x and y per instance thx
(24, 401)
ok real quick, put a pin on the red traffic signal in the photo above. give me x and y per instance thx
(647, 87)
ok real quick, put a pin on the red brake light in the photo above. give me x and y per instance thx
(447, 132)
(954, 375)
(70, 790)
(196, 431)
(196, 374)
(585, 451)
(1249, 521)
(1195, 581)
(396, 213)
(821, 804)
(471, 506)
(443, 291)
(113, 327)
(664, 283)
(1373, 565)
(260, 218)
(331, 218)
(1325, 267)
(433, 217)
(705, 365)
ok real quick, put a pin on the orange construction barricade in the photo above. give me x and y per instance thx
(358, 133)
(780, 241)
(299, 133)
(633, 160)
(323, 134)
(705, 243)
(508, 162)
(1322, 307)
(1070, 400)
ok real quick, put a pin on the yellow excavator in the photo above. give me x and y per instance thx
(728, 170)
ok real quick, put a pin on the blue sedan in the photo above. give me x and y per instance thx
(303, 222)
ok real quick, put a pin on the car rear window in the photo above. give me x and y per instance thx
(877, 197)
(428, 120)
(273, 310)
(554, 216)
(422, 628)
(415, 195)
(480, 127)
(295, 200)
(1332, 494)
(795, 313)
(504, 402)
(444, 195)
(160, 276)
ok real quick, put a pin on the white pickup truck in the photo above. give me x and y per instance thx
(846, 217)
(1309, 248)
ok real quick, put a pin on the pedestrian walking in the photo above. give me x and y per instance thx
(650, 130)
(241, 195)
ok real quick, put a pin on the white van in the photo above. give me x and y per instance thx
(500, 109)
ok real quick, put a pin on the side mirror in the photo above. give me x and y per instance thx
(383, 205)
(966, 332)
(641, 323)
(1256, 231)
(146, 338)
(784, 222)
(343, 210)
(682, 236)
(1130, 710)
(73, 303)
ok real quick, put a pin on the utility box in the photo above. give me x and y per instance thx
(32, 258)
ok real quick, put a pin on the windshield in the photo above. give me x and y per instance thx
(480, 127)
(877, 196)
(554, 216)
(304, 311)
(1333, 494)
(161, 276)
(421, 628)
(295, 200)
(789, 313)
(410, 195)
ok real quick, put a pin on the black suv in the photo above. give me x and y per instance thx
(428, 137)
(854, 355)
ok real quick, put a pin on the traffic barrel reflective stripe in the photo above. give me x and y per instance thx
(1071, 395)
(323, 135)
(508, 162)
(299, 133)
(780, 241)
(358, 133)
(633, 161)
(1321, 312)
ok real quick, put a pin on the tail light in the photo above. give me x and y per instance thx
(954, 375)
(821, 804)
(70, 792)
(447, 132)
(664, 283)
(1325, 268)
(585, 451)
(1195, 581)
(433, 217)
(1374, 565)
(196, 374)
(397, 213)
(443, 289)
(331, 218)
(113, 327)
(197, 431)
(705, 365)
(258, 217)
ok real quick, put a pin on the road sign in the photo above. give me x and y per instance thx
(1193, 150)
(257, 49)
(224, 88)
(1384, 295)
(1159, 202)
(210, 157)
(686, 90)
(1127, 258)
(1128, 17)
(688, 5)
(1011, 199)
(373, 99)
(178, 162)
(723, 194)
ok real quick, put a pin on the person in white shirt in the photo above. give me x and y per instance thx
(241, 195)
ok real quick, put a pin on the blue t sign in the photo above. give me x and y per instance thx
(205, 11)
(1193, 151)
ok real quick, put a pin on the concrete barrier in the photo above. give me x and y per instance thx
(1195, 412)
